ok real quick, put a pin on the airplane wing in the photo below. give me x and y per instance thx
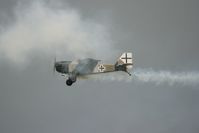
(91, 66)
(86, 66)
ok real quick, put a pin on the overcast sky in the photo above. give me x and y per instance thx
(163, 35)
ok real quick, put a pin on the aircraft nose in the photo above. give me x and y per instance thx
(58, 66)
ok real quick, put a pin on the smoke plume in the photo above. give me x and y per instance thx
(154, 77)
(167, 77)
(40, 28)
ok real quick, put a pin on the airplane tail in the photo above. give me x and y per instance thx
(125, 62)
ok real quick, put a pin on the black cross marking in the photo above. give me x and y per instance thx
(126, 57)
(101, 68)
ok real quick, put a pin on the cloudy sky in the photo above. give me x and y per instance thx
(163, 35)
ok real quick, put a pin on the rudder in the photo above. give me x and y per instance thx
(124, 62)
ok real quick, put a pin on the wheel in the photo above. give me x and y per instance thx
(69, 82)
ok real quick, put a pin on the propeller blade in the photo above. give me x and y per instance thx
(54, 67)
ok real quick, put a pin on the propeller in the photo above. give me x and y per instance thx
(54, 67)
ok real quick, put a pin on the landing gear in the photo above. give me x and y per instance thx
(71, 79)
(69, 82)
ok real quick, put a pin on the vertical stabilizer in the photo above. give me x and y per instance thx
(124, 62)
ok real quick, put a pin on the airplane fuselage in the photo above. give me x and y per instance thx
(89, 66)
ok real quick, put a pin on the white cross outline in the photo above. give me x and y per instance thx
(101, 68)
(126, 58)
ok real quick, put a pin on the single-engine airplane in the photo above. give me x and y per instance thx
(88, 66)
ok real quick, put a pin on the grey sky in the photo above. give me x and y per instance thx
(163, 35)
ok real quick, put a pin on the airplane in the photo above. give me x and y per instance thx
(89, 66)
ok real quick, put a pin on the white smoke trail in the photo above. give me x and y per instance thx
(151, 76)
(168, 77)
(40, 28)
